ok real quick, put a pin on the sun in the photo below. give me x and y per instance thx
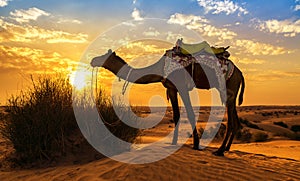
(80, 79)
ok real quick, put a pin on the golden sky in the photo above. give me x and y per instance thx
(44, 38)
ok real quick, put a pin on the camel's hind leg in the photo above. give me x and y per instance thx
(236, 127)
(176, 114)
(233, 86)
(191, 116)
(221, 150)
(230, 123)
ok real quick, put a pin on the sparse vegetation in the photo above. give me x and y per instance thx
(249, 124)
(209, 133)
(260, 136)
(41, 120)
(280, 123)
(295, 128)
(267, 114)
(244, 135)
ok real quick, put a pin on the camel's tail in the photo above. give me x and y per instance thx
(242, 91)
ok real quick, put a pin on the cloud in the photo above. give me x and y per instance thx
(221, 6)
(258, 48)
(142, 53)
(30, 34)
(134, 1)
(4, 3)
(24, 16)
(30, 60)
(152, 32)
(271, 75)
(65, 20)
(263, 75)
(286, 27)
(248, 61)
(297, 6)
(201, 25)
(183, 19)
(136, 15)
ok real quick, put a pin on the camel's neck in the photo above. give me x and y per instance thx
(146, 75)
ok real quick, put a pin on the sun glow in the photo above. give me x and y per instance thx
(80, 79)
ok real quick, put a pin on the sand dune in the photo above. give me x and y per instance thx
(185, 164)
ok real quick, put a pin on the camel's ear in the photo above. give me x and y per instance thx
(227, 47)
(109, 51)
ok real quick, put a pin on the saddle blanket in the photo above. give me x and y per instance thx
(174, 61)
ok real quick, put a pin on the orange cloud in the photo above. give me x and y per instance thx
(258, 48)
(270, 75)
(28, 60)
(30, 34)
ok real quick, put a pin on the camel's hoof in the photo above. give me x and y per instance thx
(196, 148)
(218, 153)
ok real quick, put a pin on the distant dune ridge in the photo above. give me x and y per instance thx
(276, 158)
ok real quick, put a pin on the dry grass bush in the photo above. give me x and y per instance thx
(209, 133)
(106, 107)
(260, 136)
(244, 135)
(295, 128)
(41, 120)
(280, 123)
(249, 124)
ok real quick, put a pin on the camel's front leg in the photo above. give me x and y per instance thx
(191, 116)
(176, 115)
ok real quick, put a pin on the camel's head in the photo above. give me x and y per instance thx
(100, 60)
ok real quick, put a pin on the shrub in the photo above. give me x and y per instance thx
(280, 123)
(42, 118)
(208, 134)
(260, 137)
(295, 128)
(113, 122)
(244, 135)
(249, 124)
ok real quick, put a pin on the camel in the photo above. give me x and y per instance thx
(154, 74)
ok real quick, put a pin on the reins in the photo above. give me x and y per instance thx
(126, 82)
(94, 99)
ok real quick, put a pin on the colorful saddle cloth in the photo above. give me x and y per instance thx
(220, 63)
(176, 61)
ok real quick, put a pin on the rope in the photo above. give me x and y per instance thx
(126, 82)
(193, 67)
(94, 99)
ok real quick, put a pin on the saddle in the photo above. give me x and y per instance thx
(183, 55)
(199, 47)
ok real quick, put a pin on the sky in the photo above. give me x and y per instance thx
(44, 37)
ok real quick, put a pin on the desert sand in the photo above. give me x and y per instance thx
(278, 158)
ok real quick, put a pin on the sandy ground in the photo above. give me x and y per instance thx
(185, 164)
(275, 159)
